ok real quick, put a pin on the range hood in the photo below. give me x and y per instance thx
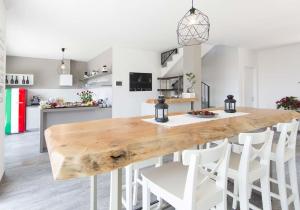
(66, 80)
(65, 76)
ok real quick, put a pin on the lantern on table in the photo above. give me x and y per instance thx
(230, 104)
(161, 110)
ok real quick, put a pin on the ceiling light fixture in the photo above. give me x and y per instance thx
(193, 28)
(63, 65)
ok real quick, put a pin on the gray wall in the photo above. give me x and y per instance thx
(105, 58)
(45, 71)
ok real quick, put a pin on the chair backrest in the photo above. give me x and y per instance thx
(288, 136)
(251, 153)
(264, 140)
(196, 160)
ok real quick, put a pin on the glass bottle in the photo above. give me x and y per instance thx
(12, 81)
(6, 80)
(27, 81)
(16, 80)
(23, 80)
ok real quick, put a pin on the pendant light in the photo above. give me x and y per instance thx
(193, 28)
(63, 65)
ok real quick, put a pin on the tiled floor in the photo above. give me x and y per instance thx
(28, 183)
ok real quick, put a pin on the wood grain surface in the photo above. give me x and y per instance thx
(94, 147)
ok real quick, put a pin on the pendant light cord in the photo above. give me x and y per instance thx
(192, 3)
(63, 54)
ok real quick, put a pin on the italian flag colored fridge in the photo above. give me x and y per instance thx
(15, 110)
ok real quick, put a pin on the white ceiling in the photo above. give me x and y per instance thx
(39, 28)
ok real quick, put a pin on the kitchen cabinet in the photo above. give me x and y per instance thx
(32, 118)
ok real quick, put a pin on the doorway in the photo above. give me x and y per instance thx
(250, 86)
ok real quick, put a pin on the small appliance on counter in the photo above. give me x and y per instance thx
(35, 101)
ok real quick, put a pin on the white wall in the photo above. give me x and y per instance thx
(247, 59)
(279, 74)
(220, 70)
(125, 60)
(2, 85)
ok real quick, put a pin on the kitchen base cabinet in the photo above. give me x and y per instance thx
(49, 117)
(32, 118)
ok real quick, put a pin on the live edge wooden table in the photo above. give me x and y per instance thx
(94, 147)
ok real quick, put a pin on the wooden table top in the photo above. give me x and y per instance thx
(94, 147)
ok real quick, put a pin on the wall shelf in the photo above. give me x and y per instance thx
(169, 78)
(104, 79)
(94, 77)
(168, 86)
(28, 79)
(171, 89)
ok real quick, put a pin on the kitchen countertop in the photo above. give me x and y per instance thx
(68, 109)
(99, 146)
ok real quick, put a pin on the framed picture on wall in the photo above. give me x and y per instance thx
(140, 81)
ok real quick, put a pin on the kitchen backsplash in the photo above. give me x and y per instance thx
(69, 94)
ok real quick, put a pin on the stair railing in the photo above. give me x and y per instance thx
(205, 96)
(166, 56)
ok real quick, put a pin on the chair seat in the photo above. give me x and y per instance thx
(255, 168)
(170, 179)
(288, 153)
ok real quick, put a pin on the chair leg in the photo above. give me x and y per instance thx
(282, 184)
(146, 196)
(265, 192)
(235, 192)
(223, 204)
(243, 195)
(177, 156)
(128, 188)
(294, 183)
(135, 186)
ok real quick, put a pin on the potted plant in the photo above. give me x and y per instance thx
(288, 103)
(192, 80)
(86, 96)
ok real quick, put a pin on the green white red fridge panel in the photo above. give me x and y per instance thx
(15, 110)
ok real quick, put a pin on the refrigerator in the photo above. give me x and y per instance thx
(15, 110)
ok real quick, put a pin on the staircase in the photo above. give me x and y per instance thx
(172, 64)
(171, 59)
(205, 95)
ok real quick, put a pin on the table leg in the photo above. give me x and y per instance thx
(93, 195)
(116, 189)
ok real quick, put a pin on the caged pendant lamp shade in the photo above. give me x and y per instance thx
(64, 65)
(193, 28)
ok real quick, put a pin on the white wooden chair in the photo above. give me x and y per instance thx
(284, 152)
(132, 180)
(188, 185)
(250, 166)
